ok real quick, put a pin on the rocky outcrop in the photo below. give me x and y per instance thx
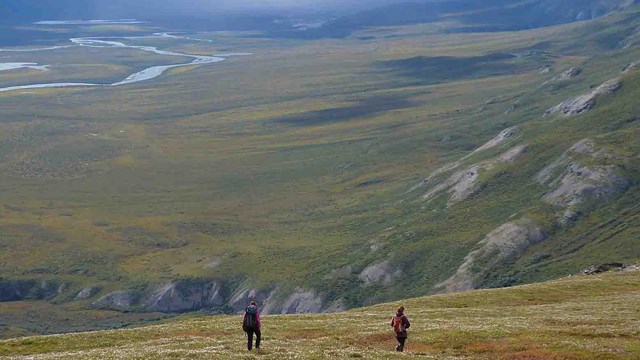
(503, 136)
(118, 300)
(243, 296)
(578, 183)
(379, 274)
(500, 139)
(460, 185)
(17, 290)
(340, 273)
(463, 184)
(573, 183)
(302, 302)
(566, 75)
(586, 102)
(506, 241)
(184, 296)
(87, 293)
(569, 74)
(632, 40)
(336, 306)
(593, 269)
(512, 154)
(629, 68)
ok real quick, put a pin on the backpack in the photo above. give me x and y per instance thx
(398, 325)
(250, 318)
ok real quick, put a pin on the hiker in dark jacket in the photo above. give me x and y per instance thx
(400, 324)
(251, 324)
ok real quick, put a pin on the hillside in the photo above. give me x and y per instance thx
(469, 15)
(313, 175)
(581, 317)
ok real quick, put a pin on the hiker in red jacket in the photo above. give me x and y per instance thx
(400, 324)
(251, 324)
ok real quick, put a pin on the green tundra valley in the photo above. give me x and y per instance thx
(476, 162)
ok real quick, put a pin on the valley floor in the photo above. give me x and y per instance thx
(579, 317)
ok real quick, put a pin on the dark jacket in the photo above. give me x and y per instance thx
(244, 319)
(405, 325)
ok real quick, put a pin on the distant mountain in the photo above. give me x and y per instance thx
(473, 15)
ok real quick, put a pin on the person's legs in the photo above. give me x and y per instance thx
(249, 339)
(400, 346)
(258, 336)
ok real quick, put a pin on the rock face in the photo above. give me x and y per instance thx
(574, 184)
(586, 102)
(87, 293)
(578, 183)
(592, 270)
(196, 294)
(379, 274)
(18, 290)
(15, 290)
(499, 140)
(119, 300)
(183, 296)
(337, 306)
(241, 298)
(512, 154)
(340, 273)
(567, 74)
(463, 184)
(632, 40)
(302, 302)
(629, 68)
(508, 240)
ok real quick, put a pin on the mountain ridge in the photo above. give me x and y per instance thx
(473, 16)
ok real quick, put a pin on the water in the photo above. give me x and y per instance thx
(90, 22)
(15, 66)
(108, 42)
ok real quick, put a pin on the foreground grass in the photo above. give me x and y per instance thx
(595, 317)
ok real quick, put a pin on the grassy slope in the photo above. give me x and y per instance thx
(254, 160)
(582, 317)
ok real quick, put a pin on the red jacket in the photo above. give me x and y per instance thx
(405, 325)
(244, 319)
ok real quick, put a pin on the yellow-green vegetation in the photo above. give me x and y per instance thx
(581, 317)
(275, 169)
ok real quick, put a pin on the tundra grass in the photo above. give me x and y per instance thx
(581, 317)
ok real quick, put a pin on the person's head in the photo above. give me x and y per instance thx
(253, 303)
(401, 310)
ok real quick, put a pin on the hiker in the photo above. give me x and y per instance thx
(251, 324)
(400, 324)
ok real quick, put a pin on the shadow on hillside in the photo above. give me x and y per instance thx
(361, 109)
(440, 69)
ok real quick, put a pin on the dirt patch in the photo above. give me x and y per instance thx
(535, 355)
(384, 340)
(305, 334)
(202, 334)
(487, 347)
